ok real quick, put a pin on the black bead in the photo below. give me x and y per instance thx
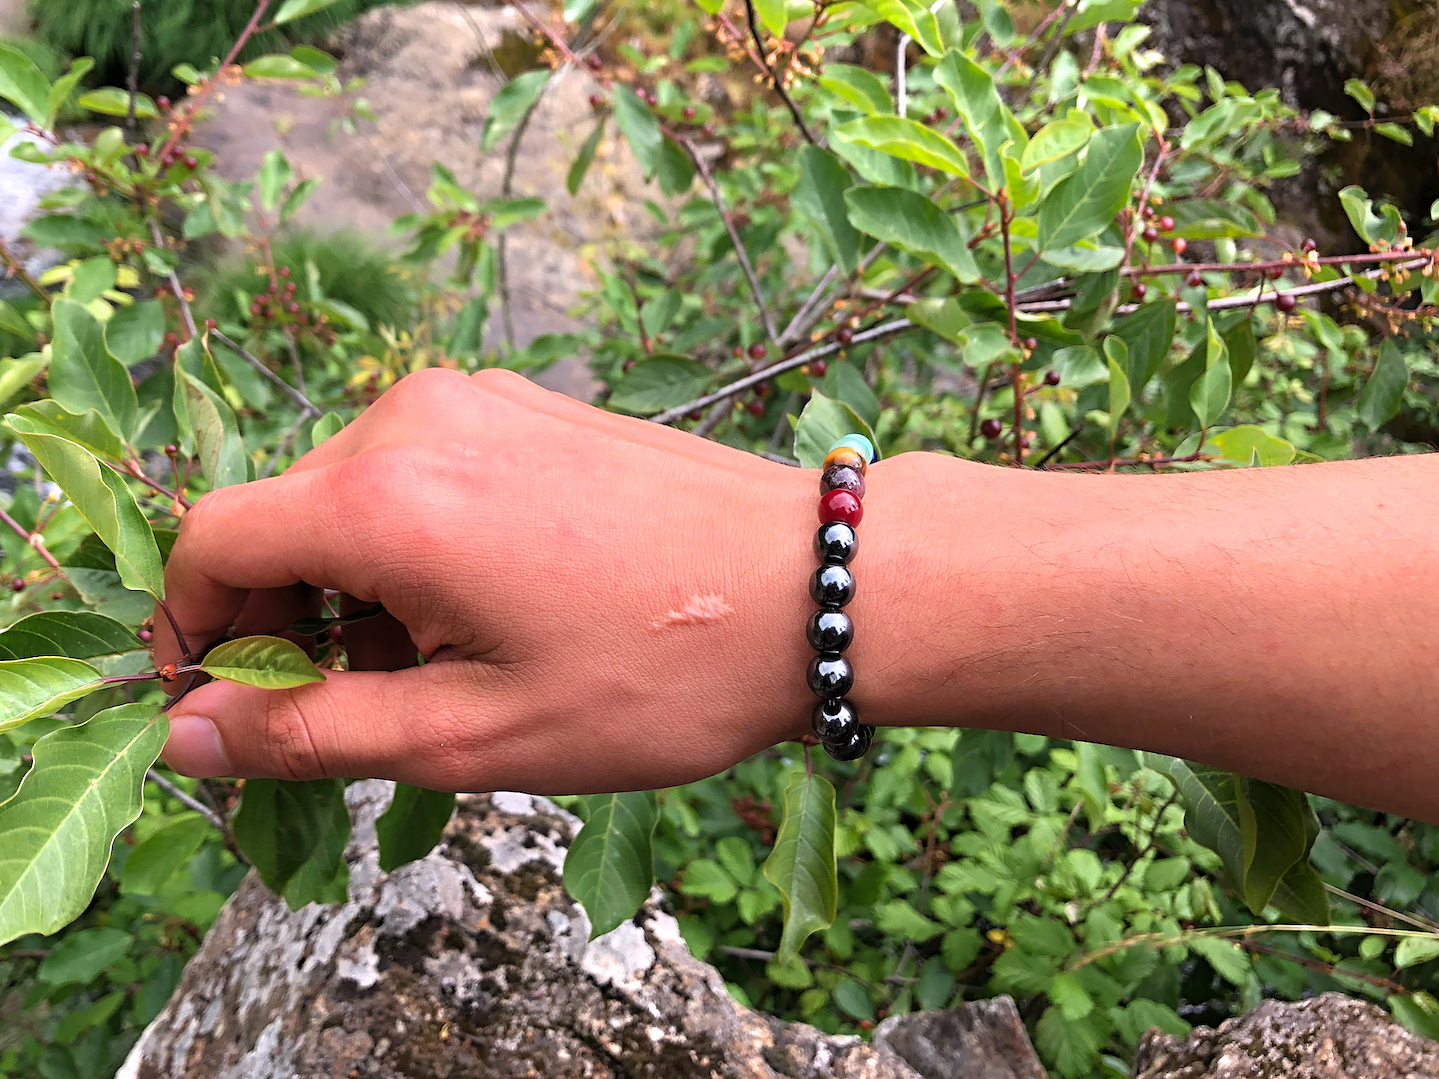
(835, 543)
(835, 720)
(830, 675)
(853, 747)
(830, 631)
(832, 586)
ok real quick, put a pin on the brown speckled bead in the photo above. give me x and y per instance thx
(842, 478)
(848, 457)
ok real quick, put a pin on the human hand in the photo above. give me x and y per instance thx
(602, 603)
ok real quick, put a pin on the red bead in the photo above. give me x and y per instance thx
(840, 506)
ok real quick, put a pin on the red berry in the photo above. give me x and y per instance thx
(696, 414)
(737, 352)
(761, 389)
(294, 309)
(627, 365)
(940, 113)
(145, 635)
(1147, 211)
(1286, 302)
(755, 407)
(689, 112)
(1024, 442)
(1308, 246)
(844, 335)
(1195, 279)
(757, 351)
(190, 163)
(1274, 273)
(1030, 344)
(1139, 290)
(211, 324)
(142, 150)
(991, 428)
(818, 368)
(593, 59)
(708, 130)
(163, 102)
(596, 100)
(1180, 245)
(1150, 234)
(255, 308)
(17, 585)
(284, 271)
(171, 449)
(1051, 378)
(1166, 224)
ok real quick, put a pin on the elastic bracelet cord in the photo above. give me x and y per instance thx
(831, 676)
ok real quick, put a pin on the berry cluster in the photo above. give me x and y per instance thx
(831, 676)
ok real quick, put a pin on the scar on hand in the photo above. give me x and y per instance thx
(702, 608)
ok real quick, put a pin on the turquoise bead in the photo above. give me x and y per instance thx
(858, 443)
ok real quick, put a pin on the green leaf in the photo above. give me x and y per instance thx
(707, 878)
(412, 825)
(1149, 333)
(295, 835)
(986, 120)
(640, 128)
(1419, 1012)
(1072, 1046)
(844, 382)
(102, 498)
(64, 86)
(1373, 228)
(291, 10)
(1084, 258)
(274, 176)
(1089, 776)
(136, 331)
(1070, 996)
(1384, 392)
(85, 786)
(1411, 951)
(216, 433)
(904, 138)
(88, 430)
(1360, 92)
(91, 278)
(23, 85)
(82, 955)
(508, 107)
(1085, 204)
(913, 223)
(802, 864)
(1300, 895)
(1228, 959)
(658, 383)
(1209, 396)
(943, 317)
(773, 15)
(83, 373)
(819, 196)
(112, 101)
(1055, 140)
(1117, 356)
(265, 662)
(609, 868)
(40, 686)
(859, 87)
(853, 1000)
(581, 165)
(1393, 131)
(297, 197)
(278, 66)
(1272, 830)
(1211, 811)
(1251, 445)
(898, 918)
(73, 634)
(735, 855)
(980, 756)
(823, 422)
(914, 19)
(326, 427)
(159, 857)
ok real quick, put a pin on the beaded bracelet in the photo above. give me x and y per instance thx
(836, 723)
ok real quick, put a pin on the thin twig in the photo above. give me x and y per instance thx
(184, 799)
(134, 471)
(739, 250)
(17, 269)
(183, 123)
(796, 328)
(1153, 834)
(901, 91)
(285, 444)
(295, 395)
(175, 287)
(502, 246)
(133, 82)
(1034, 35)
(1421, 254)
(774, 78)
(1057, 449)
(543, 27)
(1132, 232)
(35, 540)
(874, 333)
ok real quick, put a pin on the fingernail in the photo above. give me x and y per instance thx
(195, 749)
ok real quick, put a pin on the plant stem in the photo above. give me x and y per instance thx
(298, 396)
(1429, 254)
(773, 77)
(175, 286)
(133, 81)
(183, 124)
(17, 269)
(1017, 374)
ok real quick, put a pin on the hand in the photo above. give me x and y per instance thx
(601, 603)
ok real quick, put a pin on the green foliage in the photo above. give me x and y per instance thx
(1110, 892)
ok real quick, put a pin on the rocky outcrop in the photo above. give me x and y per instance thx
(474, 963)
(1327, 1037)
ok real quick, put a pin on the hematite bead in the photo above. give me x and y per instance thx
(854, 747)
(835, 720)
(835, 543)
(842, 478)
(830, 675)
(830, 631)
(832, 586)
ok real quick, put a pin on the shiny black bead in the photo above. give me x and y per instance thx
(830, 675)
(835, 543)
(835, 720)
(853, 747)
(832, 586)
(830, 631)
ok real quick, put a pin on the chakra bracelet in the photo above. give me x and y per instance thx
(841, 485)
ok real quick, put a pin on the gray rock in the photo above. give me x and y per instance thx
(1328, 1037)
(24, 186)
(474, 962)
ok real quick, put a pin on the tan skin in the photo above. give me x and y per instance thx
(1281, 622)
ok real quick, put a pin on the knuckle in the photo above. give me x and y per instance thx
(500, 379)
(427, 385)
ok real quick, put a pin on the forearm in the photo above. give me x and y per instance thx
(1279, 622)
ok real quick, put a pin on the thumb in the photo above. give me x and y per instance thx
(354, 724)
